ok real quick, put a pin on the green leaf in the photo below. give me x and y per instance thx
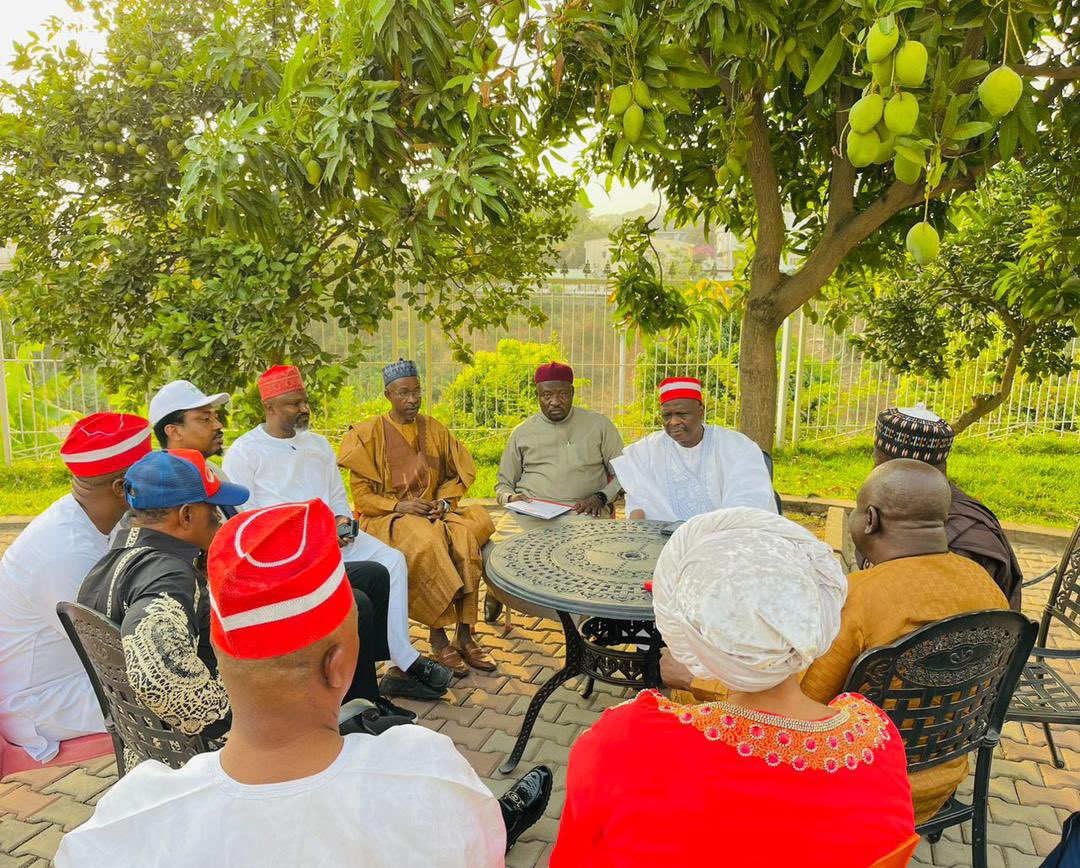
(1008, 136)
(825, 64)
(970, 130)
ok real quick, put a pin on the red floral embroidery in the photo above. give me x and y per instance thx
(851, 737)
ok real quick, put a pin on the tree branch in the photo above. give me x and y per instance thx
(842, 175)
(765, 268)
(1061, 73)
(983, 404)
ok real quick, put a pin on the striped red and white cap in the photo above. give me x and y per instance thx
(674, 388)
(105, 443)
(277, 581)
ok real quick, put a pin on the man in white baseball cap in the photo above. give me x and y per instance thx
(183, 417)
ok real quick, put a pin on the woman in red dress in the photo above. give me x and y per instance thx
(768, 777)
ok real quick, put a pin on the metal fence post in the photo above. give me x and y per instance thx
(782, 384)
(620, 336)
(5, 422)
(796, 413)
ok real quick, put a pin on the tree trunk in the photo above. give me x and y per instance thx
(757, 373)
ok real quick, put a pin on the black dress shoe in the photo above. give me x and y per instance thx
(524, 803)
(431, 672)
(388, 709)
(407, 686)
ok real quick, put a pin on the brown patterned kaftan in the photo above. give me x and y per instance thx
(389, 462)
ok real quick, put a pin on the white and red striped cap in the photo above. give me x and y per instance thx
(277, 581)
(105, 443)
(674, 388)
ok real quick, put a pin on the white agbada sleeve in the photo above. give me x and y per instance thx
(637, 470)
(239, 465)
(742, 468)
(338, 500)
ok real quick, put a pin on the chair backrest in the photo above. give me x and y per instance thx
(947, 686)
(899, 857)
(97, 642)
(776, 495)
(1064, 602)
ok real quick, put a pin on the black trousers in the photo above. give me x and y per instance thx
(371, 589)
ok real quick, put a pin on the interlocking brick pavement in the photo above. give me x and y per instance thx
(483, 712)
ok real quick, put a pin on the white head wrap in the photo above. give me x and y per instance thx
(747, 597)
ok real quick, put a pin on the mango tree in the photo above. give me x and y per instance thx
(821, 130)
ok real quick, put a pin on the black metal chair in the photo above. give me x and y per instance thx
(96, 640)
(947, 687)
(776, 495)
(1044, 695)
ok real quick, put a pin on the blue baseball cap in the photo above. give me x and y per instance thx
(162, 480)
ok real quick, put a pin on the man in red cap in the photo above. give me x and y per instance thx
(45, 696)
(282, 461)
(287, 788)
(690, 467)
(561, 454)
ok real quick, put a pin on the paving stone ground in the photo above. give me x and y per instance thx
(1029, 798)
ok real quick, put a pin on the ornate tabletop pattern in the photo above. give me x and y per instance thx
(585, 568)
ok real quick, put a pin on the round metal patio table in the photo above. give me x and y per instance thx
(595, 570)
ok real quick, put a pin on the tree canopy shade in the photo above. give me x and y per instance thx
(1006, 281)
(231, 172)
(746, 117)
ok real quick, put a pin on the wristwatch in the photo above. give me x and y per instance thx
(445, 505)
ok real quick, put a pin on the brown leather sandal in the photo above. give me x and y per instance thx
(449, 657)
(476, 656)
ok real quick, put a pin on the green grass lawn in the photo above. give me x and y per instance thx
(1033, 480)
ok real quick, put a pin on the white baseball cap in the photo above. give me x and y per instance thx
(181, 395)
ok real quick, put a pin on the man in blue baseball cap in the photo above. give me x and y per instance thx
(153, 585)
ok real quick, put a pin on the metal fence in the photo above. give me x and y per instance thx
(830, 390)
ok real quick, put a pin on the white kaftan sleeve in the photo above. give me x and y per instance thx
(745, 476)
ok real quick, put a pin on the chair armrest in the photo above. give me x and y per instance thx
(1038, 579)
(1056, 653)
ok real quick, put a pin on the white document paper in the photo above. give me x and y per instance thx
(544, 509)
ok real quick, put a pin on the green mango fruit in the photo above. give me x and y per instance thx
(121, 148)
(165, 121)
(902, 113)
(142, 150)
(110, 147)
(923, 243)
(141, 62)
(882, 72)
(98, 147)
(314, 172)
(911, 64)
(880, 44)
(865, 114)
(905, 170)
(723, 175)
(862, 148)
(156, 67)
(621, 98)
(641, 94)
(733, 166)
(113, 127)
(633, 120)
(1000, 91)
(887, 148)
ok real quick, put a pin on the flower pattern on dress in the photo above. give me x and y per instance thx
(850, 738)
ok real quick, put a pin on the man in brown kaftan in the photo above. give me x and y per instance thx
(408, 474)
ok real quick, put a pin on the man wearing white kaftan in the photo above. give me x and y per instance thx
(691, 468)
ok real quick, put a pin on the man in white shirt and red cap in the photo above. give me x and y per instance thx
(281, 461)
(288, 789)
(45, 695)
(690, 467)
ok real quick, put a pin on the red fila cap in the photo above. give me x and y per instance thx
(105, 443)
(554, 372)
(674, 388)
(277, 581)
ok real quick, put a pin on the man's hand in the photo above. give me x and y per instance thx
(416, 506)
(513, 498)
(673, 673)
(593, 506)
(344, 521)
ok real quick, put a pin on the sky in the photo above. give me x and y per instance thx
(17, 17)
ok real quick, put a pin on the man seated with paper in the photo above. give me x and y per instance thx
(557, 465)
(691, 468)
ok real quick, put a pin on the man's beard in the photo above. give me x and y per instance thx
(302, 423)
